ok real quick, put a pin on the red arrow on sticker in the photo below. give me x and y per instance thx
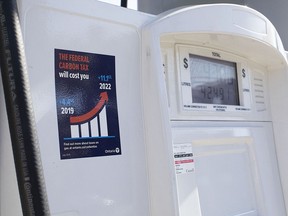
(92, 113)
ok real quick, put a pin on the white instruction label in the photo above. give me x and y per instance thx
(183, 158)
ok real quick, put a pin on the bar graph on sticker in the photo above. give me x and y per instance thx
(93, 123)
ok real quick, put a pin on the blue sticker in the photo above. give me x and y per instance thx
(86, 104)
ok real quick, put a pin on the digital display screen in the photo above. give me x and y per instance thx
(213, 81)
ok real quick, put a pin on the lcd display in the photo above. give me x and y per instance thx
(213, 81)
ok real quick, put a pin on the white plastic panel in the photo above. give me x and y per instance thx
(226, 178)
(236, 171)
(104, 185)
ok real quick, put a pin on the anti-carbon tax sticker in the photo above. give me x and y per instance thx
(86, 104)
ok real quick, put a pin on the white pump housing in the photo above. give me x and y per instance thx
(148, 146)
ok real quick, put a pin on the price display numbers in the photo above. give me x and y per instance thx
(213, 81)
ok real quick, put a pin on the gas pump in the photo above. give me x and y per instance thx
(178, 114)
(220, 123)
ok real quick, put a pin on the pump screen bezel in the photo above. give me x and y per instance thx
(225, 65)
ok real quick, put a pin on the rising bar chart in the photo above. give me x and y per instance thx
(92, 123)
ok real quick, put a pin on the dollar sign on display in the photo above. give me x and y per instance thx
(243, 73)
(185, 61)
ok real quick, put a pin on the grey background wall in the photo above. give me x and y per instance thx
(275, 10)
